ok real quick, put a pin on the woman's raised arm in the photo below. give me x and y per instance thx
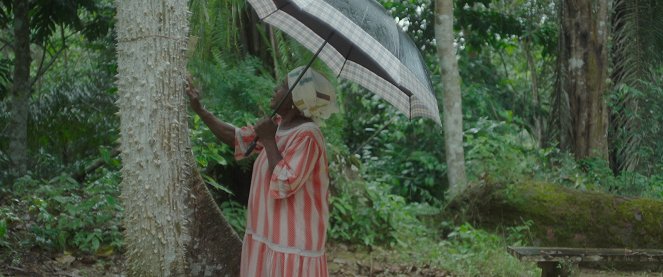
(222, 130)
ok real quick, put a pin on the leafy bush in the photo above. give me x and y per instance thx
(368, 214)
(501, 152)
(467, 251)
(235, 214)
(66, 215)
(504, 153)
(406, 154)
(71, 111)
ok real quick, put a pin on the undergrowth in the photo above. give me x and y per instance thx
(61, 214)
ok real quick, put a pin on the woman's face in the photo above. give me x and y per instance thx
(279, 92)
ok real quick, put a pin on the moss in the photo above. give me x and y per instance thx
(572, 218)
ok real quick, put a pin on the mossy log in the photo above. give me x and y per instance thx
(566, 217)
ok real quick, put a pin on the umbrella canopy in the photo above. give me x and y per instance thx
(364, 45)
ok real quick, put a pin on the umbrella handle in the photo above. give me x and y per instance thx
(251, 147)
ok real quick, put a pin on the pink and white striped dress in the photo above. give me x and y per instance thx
(288, 208)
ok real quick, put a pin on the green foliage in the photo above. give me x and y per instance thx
(406, 154)
(476, 17)
(637, 111)
(7, 217)
(72, 106)
(501, 152)
(388, 172)
(207, 150)
(235, 92)
(467, 251)
(416, 18)
(595, 174)
(235, 214)
(63, 214)
(475, 252)
(215, 27)
(93, 17)
(71, 117)
(367, 213)
(5, 77)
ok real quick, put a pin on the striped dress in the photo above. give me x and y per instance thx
(288, 208)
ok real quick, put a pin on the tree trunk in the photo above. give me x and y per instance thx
(173, 227)
(20, 91)
(453, 113)
(537, 128)
(584, 74)
(565, 217)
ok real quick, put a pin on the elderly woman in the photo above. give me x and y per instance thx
(288, 203)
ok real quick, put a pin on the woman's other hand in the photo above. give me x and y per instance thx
(265, 129)
(194, 95)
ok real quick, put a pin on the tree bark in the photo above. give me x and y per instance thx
(453, 113)
(565, 217)
(20, 91)
(537, 128)
(584, 74)
(173, 226)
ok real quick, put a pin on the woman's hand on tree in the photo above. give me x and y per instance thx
(194, 95)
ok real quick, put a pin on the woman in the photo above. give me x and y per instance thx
(288, 203)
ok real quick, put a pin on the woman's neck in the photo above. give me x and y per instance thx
(293, 117)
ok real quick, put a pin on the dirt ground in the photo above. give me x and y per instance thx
(342, 262)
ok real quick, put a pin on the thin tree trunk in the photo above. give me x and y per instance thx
(584, 73)
(20, 91)
(275, 52)
(453, 113)
(173, 227)
(538, 125)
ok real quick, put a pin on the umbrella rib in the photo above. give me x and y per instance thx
(410, 99)
(345, 60)
(277, 9)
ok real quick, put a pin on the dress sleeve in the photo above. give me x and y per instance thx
(296, 167)
(243, 138)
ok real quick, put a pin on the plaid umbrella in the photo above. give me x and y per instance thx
(359, 42)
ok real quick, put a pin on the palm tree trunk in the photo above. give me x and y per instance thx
(173, 227)
(20, 91)
(453, 113)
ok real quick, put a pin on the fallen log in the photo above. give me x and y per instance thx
(565, 217)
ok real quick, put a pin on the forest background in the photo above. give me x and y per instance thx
(60, 194)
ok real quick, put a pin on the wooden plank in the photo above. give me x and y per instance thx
(557, 254)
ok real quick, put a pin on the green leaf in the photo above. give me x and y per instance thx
(218, 158)
(105, 155)
(111, 200)
(3, 228)
(95, 244)
(216, 185)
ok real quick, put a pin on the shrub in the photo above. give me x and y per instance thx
(66, 215)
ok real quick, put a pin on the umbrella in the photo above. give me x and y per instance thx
(359, 42)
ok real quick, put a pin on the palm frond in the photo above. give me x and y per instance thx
(216, 25)
(637, 39)
(636, 52)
